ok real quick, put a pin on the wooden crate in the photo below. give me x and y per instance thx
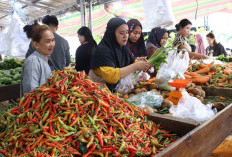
(197, 140)
(211, 91)
(9, 92)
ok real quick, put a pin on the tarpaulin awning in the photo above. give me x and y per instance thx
(134, 9)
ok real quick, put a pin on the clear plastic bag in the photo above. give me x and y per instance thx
(150, 98)
(13, 41)
(126, 84)
(191, 108)
(177, 64)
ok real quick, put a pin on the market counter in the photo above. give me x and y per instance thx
(202, 139)
(9, 92)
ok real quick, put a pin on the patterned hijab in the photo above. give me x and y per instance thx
(136, 49)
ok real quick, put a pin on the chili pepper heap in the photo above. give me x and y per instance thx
(71, 115)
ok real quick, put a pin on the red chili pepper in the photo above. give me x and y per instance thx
(51, 130)
(99, 136)
(90, 151)
(108, 149)
(166, 135)
(131, 148)
(3, 152)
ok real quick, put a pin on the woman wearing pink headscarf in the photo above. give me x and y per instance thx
(200, 44)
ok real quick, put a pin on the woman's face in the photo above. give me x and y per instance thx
(185, 31)
(210, 41)
(121, 34)
(46, 43)
(164, 38)
(81, 38)
(135, 34)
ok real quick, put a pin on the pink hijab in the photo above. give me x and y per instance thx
(200, 44)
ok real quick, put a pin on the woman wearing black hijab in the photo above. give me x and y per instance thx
(112, 60)
(136, 41)
(156, 39)
(85, 51)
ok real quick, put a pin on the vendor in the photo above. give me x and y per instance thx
(85, 51)
(136, 41)
(36, 68)
(156, 39)
(214, 48)
(183, 28)
(112, 60)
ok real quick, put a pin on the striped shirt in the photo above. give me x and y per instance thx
(180, 40)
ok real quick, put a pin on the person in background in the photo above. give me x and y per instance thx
(61, 55)
(214, 48)
(112, 60)
(136, 41)
(200, 47)
(36, 68)
(156, 39)
(183, 28)
(85, 51)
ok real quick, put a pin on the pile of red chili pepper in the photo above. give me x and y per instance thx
(71, 115)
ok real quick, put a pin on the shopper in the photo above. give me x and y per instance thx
(85, 51)
(61, 55)
(156, 39)
(214, 48)
(183, 28)
(112, 60)
(200, 47)
(136, 41)
(36, 68)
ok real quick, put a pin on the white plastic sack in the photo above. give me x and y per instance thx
(158, 13)
(126, 84)
(13, 41)
(149, 98)
(191, 108)
(177, 64)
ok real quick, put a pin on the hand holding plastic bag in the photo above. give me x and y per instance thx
(177, 64)
(191, 108)
(126, 84)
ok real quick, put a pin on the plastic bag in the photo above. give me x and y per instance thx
(126, 84)
(13, 41)
(150, 98)
(177, 64)
(191, 108)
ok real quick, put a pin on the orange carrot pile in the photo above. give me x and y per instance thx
(210, 74)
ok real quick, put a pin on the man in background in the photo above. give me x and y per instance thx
(60, 55)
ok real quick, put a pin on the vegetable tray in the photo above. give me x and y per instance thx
(9, 92)
(197, 140)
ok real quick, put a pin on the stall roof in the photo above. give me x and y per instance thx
(34, 9)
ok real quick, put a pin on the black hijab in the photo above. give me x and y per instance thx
(137, 49)
(156, 35)
(109, 52)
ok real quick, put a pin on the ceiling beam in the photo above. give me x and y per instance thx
(34, 5)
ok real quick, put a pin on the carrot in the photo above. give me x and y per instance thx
(227, 71)
(222, 98)
(202, 71)
(187, 76)
(194, 74)
(201, 80)
(187, 73)
(203, 66)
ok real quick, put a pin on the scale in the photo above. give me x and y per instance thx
(175, 95)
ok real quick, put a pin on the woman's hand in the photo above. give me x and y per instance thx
(143, 65)
(142, 59)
